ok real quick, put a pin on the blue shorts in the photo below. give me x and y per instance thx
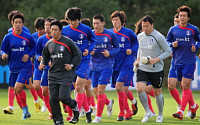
(172, 71)
(37, 74)
(82, 70)
(44, 78)
(21, 77)
(125, 76)
(186, 71)
(100, 77)
(72, 87)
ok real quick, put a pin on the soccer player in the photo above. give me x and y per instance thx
(182, 38)
(153, 48)
(64, 56)
(18, 46)
(122, 76)
(84, 38)
(101, 66)
(43, 77)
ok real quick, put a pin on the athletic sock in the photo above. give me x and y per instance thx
(34, 94)
(47, 102)
(185, 98)
(69, 111)
(100, 104)
(79, 99)
(93, 101)
(128, 110)
(191, 100)
(85, 103)
(160, 104)
(175, 95)
(19, 101)
(11, 97)
(143, 99)
(152, 93)
(39, 93)
(22, 96)
(107, 100)
(130, 95)
(149, 103)
(121, 100)
(89, 100)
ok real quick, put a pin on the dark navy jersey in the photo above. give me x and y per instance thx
(127, 40)
(105, 40)
(82, 36)
(16, 46)
(186, 36)
(25, 29)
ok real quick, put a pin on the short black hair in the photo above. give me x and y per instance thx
(73, 13)
(64, 22)
(49, 19)
(185, 9)
(58, 23)
(18, 15)
(176, 15)
(147, 18)
(86, 21)
(100, 17)
(121, 15)
(39, 23)
(138, 27)
(12, 13)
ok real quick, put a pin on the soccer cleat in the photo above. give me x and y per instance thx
(50, 117)
(88, 116)
(68, 118)
(193, 111)
(120, 117)
(128, 116)
(59, 123)
(8, 110)
(44, 108)
(94, 110)
(97, 120)
(134, 107)
(188, 113)
(147, 116)
(75, 119)
(26, 113)
(109, 107)
(37, 107)
(159, 119)
(178, 115)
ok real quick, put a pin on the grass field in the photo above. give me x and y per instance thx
(170, 107)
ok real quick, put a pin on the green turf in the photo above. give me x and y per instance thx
(170, 107)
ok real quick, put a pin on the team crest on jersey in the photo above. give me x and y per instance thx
(105, 39)
(151, 40)
(81, 36)
(122, 39)
(24, 42)
(188, 33)
(62, 48)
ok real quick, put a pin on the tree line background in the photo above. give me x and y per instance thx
(162, 11)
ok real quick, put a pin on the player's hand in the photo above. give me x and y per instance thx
(86, 52)
(199, 56)
(25, 58)
(68, 67)
(41, 67)
(49, 63)
(128, 51)
(193, 48)
(92, 52)
(136, 63)
(4, 56)
(175, 44)
(154, 60)
(39, 58)
(106, 53)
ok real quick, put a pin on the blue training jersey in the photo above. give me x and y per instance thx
(25, 29)
(35, 37)
(82, 36)
(105, 40)
(16, 46)
(186, 36)
(127, 40)
(39, 48)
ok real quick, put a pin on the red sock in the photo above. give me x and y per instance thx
(175, 95)
(130, 95)
(79, 99)
(69, 111)
(121, 100)
(107, 100)
(92, 101)
(47, 102)
(191, 100)
(85, 103)
(39, 93)
(185, 98)
(152, 93)
(11, 97)
(34, 94)
(22, 96)
(149, 103)
(100, 104)
(128, 110)
(89, 100)
(19, 101)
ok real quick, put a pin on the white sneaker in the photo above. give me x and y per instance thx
(44, 108)
(82, 112)
(94, 110)
(159, 119)
(154, 114)
(109, 107)
(147, 116)
(97, 120)
(188, 113)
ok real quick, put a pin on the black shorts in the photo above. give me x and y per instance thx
(156, 78)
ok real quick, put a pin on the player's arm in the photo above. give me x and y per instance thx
(76, 54)
(39, 50)
(115, 44)
(4, 47)
(32, 47)
(45, 57)
(92, 41)
(169, 39)
(134, 43)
